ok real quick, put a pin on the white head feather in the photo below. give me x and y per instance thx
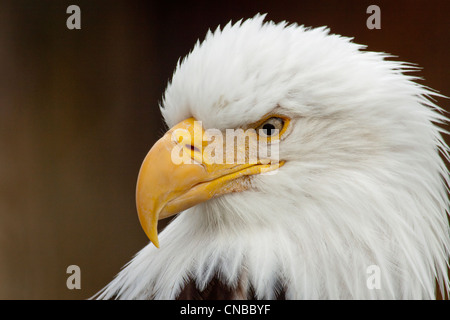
(363, 184)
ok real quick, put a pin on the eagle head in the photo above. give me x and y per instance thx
(355, 179)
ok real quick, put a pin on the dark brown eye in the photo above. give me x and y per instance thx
(271, 127)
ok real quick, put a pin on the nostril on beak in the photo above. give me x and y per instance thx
(193, 148)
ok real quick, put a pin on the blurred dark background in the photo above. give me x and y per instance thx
(79, 111)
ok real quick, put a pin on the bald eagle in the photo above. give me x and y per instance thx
(357, 190)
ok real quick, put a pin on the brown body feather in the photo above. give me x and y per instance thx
(217, 290)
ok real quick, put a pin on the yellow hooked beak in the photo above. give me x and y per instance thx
(169, 183)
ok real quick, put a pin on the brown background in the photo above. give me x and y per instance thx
(79, 111)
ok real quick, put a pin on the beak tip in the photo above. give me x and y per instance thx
(155, 242)
(152, 234)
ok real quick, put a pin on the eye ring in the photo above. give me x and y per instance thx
(271, 127)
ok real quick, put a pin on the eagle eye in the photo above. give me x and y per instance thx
(271, 127)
